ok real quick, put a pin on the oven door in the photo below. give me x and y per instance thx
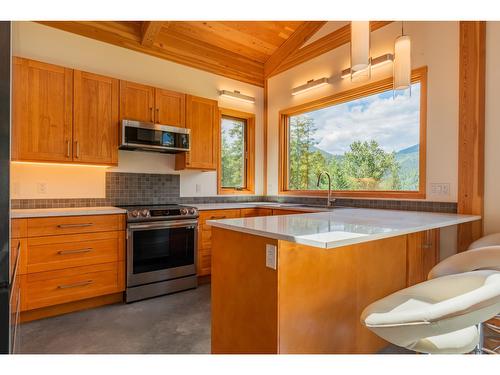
(161, 250)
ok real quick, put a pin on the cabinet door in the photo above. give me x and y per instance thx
(170, 108)
(422, 255)
(202, 118)
(136, 102)
(42, 111)
(95, 134)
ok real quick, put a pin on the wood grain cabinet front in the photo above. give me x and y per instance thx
(137, 102)
(202, 118)
(42, 111)
(63, 115)
(422, 254)
(67, 263)
(95, 127)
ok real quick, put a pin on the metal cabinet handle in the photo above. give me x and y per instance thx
(152, 114)
(77, 145)
(76, 285)
(62, 226)
(158, 115)
(79, 251)
(68, 151)
(217, 217)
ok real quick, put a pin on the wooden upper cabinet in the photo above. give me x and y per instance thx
(96, 126)
(170, 108)
(42, 111)
(136, 102)
(202, 117)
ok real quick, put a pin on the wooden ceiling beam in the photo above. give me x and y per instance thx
(296, 40)
(150, 31)
(325, 44)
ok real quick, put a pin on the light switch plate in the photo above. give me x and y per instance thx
(271, 256)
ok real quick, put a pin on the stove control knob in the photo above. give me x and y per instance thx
(134, 213)
(145, 212)
(192, 211)
(184, 211)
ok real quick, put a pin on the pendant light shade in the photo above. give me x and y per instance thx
(360, 49)
(402, 62)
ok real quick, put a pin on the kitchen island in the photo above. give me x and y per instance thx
(298, 283)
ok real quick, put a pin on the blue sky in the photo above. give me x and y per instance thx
(392, 121)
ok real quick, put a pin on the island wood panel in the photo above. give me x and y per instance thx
(276, 212)
(323, 292)
(136, 102)
(96, 126)
(471, 125)
(170, 108)
(42, 111)
(202, 118)
(244, 295)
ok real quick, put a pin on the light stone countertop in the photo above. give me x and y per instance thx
(235, 206)
(340, 227)
(72, 211)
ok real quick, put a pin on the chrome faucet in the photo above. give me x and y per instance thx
(330, 200)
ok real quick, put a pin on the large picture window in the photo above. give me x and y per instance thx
(370, 139)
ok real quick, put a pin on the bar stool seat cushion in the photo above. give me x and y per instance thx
(435, 307)
(489, 240)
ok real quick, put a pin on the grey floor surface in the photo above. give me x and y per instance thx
(174, 324)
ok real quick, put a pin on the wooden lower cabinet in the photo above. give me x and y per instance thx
(69, 263)
(422, 254)
(204, 256)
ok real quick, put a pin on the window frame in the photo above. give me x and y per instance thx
(249, 157)
(418, 75)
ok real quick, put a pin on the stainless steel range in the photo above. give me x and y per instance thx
(161, 250)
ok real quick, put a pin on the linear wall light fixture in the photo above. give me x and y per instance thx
(236, 95)
(376, 62)
(312, 84)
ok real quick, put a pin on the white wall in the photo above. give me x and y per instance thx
(54, 46)
(434, 44)
(492, 139)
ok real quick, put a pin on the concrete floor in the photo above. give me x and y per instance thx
(177, 323)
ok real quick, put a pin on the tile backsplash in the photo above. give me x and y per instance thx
(146, 189)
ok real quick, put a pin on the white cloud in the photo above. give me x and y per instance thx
(392, 122)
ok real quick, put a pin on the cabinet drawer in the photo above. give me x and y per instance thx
(49, 288)
(204, 262)
(218, 214)
(18, 228)
(49, 226)
(59, 252)
(255, 212)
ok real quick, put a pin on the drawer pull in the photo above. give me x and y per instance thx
(78, 251)
(62, 226)
(76, 285)
(217, 217)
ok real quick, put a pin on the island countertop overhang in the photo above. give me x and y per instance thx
(342, 227)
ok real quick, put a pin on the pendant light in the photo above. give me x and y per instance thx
(402, 61)
(360, 50)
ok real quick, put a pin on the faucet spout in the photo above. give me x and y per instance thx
(330, 202)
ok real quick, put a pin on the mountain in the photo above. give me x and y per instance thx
(409, 150)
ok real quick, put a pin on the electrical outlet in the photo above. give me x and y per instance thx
(440, 189)
(198, 188)
(41, 188)
(271, 256)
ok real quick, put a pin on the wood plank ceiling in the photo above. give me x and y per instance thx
(242, 50)
(248, 51)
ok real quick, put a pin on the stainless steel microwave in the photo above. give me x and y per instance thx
(145, 136)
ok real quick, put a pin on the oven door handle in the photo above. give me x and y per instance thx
(163, 224)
